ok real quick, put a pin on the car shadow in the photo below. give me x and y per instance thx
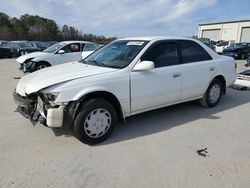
(169, 117)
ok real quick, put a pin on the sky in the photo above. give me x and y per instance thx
(126, 18)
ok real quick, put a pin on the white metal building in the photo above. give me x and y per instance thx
(238, 31)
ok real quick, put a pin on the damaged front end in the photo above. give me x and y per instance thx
(41, 108)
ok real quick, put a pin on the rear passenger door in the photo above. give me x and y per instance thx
(197, 69)
(160, 86)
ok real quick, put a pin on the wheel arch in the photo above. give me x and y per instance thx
(110, 97)
(74, 106)
(43, 61)
(223, 81)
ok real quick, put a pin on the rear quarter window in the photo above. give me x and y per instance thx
(191, 51)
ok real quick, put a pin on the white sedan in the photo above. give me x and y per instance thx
(126, 77)
(58, 53)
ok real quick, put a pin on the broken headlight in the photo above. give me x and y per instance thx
(50, 97)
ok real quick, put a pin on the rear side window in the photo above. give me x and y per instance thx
(90, 47)
(164, 54)
(190, 51)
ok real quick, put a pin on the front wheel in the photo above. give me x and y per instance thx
(39, 66)
(213, 94)
(95, 121)
(243, 56)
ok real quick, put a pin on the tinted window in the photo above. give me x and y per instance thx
(223, 43)
(192, 52)
(162, 55)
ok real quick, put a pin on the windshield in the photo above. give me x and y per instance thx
(117, 54)
(236, 45)
(25, 45)
(54, 48)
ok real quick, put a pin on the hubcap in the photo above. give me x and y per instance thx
(41, 67)
(97, 123)
(214, 93)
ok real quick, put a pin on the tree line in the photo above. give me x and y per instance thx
(36, 28)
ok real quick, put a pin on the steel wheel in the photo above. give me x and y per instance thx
(41, 67)
(214, 93)
(97, 123)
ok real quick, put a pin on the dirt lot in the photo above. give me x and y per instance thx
(154, 149)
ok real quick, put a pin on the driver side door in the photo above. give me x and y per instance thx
(72, 53)
(161, 85)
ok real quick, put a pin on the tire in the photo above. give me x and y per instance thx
(39, 66)
(10, 55)
(243, 56)
(213, 94)
(95, 121)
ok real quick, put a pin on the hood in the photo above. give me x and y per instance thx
(50, 76)
(23, 58)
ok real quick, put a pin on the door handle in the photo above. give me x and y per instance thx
(211, 69)
(176, 75)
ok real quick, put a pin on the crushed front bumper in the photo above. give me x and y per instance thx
(35, 110)
(26, 107)
(25, 67)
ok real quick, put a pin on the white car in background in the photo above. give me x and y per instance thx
(58, 53)
(222, 45)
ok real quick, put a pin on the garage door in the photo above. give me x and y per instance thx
(245, 34)
(213, 34)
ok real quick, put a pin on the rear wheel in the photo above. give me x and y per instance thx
(213, 94)
(95, 121)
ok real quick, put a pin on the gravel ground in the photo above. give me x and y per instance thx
(154, 149)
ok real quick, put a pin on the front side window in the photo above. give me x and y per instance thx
(70, 48)
(117, 54)
(190, 51)
(164, 54)
(54, 48)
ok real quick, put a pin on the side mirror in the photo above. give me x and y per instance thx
(61, 52)
(144, 66)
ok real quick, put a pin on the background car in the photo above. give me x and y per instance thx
(41, 45)
(58, 53)
(247, 62)
(238, 50)
(21, 47)
(207, 42)
(243, 80)
(222, 45)
(5, 51)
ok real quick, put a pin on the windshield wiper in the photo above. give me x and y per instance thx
(95, 62)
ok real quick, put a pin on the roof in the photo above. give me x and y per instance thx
(226, 22)
(150, 38)
(79, 41)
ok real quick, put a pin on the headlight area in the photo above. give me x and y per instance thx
(26, 65)
(52, 111)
